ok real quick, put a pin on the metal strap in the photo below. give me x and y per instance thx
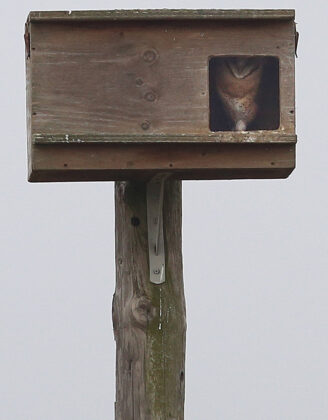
(155, 195)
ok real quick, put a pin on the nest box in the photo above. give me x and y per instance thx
(200, 94)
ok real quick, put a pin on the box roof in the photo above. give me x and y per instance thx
(163, 14)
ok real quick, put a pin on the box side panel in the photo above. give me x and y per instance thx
(287, 78)
(28, 93)
(140, 78)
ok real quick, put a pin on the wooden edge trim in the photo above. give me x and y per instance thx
(162, 14)
(36, 176)
(185, 161)
(223, 137)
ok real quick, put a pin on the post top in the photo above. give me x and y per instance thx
(162, 14)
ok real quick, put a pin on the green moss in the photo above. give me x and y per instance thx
(165, 348)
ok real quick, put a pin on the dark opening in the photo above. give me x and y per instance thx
(244, 93)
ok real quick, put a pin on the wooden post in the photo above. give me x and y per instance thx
(149, 320)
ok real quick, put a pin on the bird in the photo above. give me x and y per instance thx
(237, 83)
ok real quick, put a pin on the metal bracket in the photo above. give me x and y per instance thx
(155, 195)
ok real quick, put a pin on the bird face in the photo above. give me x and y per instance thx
(242, 67)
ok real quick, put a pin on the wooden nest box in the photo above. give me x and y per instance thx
(200, 94)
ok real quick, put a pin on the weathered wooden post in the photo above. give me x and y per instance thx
(149, 319)
(146, 100)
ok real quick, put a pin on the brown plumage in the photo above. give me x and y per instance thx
(237, 83)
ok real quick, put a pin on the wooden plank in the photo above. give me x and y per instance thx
(162, 14)
(186, 161)
(144, 78)
(145, 175)
(149, 320)
(218, 137)
(28, 71)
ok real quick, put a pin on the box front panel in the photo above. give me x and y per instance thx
(144, 78)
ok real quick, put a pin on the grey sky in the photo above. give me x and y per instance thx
(255, 264)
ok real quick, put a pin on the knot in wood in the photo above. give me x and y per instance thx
(142, 311)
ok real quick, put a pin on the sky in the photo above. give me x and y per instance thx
(255, 263)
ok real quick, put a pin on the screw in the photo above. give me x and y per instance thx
(150, 96)
(156, 271)
(139, 81)
(150, 56)
(145, 125)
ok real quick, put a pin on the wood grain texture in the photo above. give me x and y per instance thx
(149, 320)
(28, 72)
(102, 93)
(73, 162)
(231, 137)
(150, 77)
(160, 14)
